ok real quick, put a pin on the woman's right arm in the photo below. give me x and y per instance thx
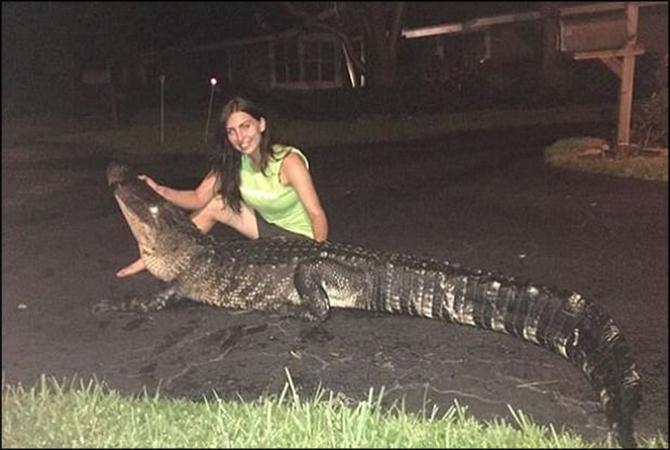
(187, 199)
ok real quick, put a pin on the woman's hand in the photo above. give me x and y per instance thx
(132, 269)
(152, 184)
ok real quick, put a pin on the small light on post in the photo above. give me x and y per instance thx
(212, 82)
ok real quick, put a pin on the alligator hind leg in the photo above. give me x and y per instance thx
(321, 283)
(148, 303)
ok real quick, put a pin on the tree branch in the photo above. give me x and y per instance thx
(317, 22)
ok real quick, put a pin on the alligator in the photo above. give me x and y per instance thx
(306, 279)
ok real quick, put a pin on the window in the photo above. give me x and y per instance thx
(319, 61)
(287, 61)
(306, 62)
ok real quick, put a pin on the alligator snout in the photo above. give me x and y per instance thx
(117, 173)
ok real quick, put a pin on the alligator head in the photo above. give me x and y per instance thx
(166, 236)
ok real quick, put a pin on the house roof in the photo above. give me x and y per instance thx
(422, 14)
(242, 23)
(516, 12)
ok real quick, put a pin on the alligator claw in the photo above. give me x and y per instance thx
(104, 306)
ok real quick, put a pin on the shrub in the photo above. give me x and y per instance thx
(649, 126)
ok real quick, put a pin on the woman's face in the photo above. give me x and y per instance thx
(245, 132)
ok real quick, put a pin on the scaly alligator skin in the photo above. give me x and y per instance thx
(306, 278)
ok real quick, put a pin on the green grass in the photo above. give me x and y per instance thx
(184, 133)
(89, 414)
(568, 153)
(380, 129)
(184, 130)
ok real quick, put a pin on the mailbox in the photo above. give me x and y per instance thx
(594, 33)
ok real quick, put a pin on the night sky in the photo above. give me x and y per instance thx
(95, 29)
(46, 45)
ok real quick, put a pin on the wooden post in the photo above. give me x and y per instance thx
(621, 61)
(625, 101)
(627, 76)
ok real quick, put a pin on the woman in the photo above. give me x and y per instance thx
(259, 189)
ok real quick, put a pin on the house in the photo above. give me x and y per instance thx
(290, 59)
(468, 46)
(501, 52)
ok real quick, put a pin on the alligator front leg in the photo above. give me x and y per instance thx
(148, 303)
(322, 283)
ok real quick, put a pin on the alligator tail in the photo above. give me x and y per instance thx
(562, 322)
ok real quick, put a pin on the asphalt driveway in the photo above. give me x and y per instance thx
(483, 200)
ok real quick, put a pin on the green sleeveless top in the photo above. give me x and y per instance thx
(276, 203)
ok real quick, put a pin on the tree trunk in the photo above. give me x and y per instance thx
(382, 36)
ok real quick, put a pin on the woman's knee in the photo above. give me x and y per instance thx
(217, 209)
(214, 211)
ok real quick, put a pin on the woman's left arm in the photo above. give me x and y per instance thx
(295, 174)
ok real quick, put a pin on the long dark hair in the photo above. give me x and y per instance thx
(226, 162)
